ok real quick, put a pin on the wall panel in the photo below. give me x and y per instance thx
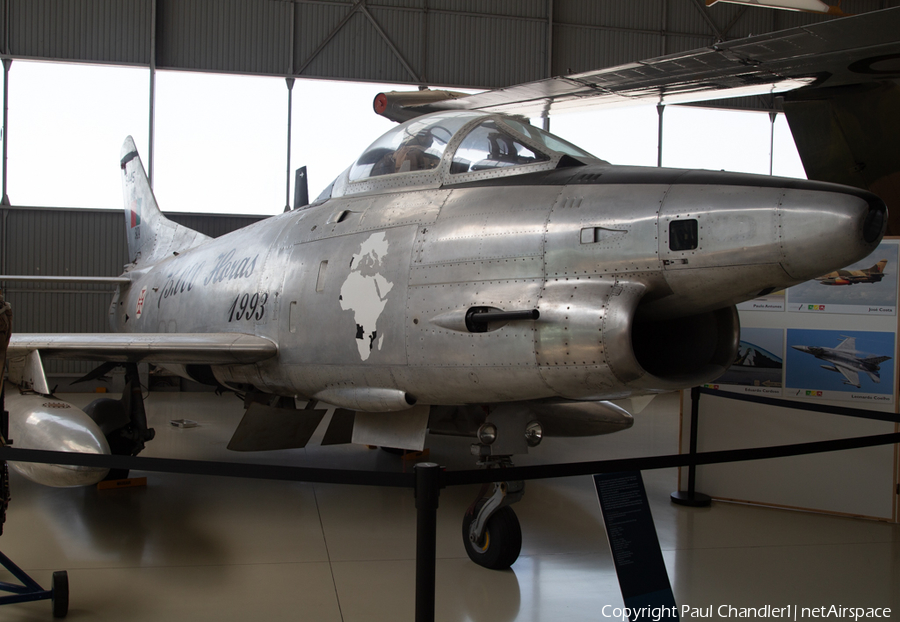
(95, 31)
(488, 52)
(236, 36)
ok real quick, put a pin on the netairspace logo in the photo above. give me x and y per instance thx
(789, 612)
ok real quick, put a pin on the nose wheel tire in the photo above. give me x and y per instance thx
(501, 541)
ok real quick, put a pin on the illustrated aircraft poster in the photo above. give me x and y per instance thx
(758, 366)
(868, 287)
(840, 365)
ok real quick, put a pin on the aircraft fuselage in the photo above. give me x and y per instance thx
(850, 360)
(633, 272)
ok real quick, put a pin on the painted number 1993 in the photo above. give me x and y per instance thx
(248, 307)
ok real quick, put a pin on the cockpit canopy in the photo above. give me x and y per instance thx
(452, 147)
(416, 145)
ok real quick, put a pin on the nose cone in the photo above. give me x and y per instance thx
(827, 229)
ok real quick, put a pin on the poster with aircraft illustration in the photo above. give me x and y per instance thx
(840, 365)
(835, 338)
(868, 287)
(758, 367)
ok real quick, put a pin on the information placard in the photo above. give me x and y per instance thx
(635, 546)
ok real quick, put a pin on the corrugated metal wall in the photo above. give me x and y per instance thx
(94, 31)
(464, 43)
(338, 41)
(74, 242)
(489, 51)
(239, 36)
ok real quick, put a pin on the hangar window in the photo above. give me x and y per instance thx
(683, 235)
(488, 147)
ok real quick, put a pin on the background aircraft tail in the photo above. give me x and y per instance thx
(879, 267)
(151, 236)
(849, 135)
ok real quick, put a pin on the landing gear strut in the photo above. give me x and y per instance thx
(490, 528)
(123, 421)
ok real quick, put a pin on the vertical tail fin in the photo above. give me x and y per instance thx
(151, 236)
(879, 267)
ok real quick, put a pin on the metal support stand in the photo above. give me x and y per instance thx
(660, 108)
(29, 590)
(691, 497)
(287, 192)
(7, 63)
(428, 489)
(151, 112)
(4, 467)
(772, 117)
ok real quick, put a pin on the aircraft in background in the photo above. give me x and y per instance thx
(807, 6)
(847, 360)
(851, 277)
(468, 274)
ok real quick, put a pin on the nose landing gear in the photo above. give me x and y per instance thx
(490, 528)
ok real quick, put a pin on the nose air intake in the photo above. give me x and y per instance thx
(876, 220)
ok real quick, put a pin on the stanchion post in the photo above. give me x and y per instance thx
(695, 415)
(428, 487)
(692, 497)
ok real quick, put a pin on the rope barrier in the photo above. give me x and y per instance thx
(820, 408)
(447, 478)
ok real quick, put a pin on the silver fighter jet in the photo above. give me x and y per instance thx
(468, 274)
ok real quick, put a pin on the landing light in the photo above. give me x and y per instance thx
(534, 434)
(487, 433)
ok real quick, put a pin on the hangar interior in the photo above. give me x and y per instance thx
(186, 547)
(189, 547)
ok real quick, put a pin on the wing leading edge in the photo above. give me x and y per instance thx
(162, 348)
(851, 375)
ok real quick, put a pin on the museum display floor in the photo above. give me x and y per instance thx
(187, 548)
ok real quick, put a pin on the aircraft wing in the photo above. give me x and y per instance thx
(175, 348)
(851, 375)
(832, 53)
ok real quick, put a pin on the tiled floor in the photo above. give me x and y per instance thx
(205, 548)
